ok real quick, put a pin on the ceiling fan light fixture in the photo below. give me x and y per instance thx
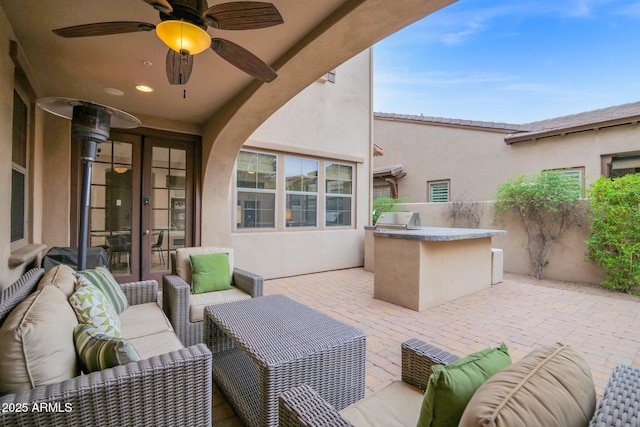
(144, 88)
(182, 35)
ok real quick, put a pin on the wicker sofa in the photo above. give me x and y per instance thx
(186, 310)
(399, 403)
(169, 386)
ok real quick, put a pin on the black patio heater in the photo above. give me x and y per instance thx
(90, 124)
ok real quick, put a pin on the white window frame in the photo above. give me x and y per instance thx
(325, 165)
(431, 185)
(287, 192)
(275, 192)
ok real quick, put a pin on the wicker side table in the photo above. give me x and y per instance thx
(264, 346)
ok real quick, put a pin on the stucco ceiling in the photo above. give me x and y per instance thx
(82, 67)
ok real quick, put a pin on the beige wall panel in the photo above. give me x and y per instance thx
(292, 253)
(56, 170)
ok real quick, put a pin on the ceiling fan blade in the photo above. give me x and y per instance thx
(161, 5)
(104, 29)
(242, 15)
(243, 59)
(179, 66)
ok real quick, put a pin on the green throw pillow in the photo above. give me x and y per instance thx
(94, 308)
(97, 351)
(451, 386)
(102, 278)
(209, 272)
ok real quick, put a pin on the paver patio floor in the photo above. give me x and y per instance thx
(521, 311)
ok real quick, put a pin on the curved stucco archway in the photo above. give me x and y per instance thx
(354, 27)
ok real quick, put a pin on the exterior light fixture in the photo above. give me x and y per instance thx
(183, 36)
(120, 169)
(113, 91)
(144, 88)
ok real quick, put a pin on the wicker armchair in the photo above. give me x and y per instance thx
(172, 389)
(301, 406)
(186, 311)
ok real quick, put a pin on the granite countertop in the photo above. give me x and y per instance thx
(439, 234)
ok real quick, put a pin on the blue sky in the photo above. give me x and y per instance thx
(512, 61)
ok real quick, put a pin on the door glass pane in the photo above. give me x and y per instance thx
(17, 205)
(168, 205)
(111, 204)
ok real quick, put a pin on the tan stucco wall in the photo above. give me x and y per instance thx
(477, 161)
(329, 121)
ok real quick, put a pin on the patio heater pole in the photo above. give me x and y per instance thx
(91, 125)
(89, 150)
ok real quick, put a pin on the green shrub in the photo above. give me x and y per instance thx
(386, 204)
(548, 205)
(614, 243)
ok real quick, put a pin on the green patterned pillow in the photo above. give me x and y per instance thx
(102, 278)
(94, 308)
(97, 351)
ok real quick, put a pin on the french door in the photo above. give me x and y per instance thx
(143, 202)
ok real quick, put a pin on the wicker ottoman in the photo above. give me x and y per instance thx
(264, 346)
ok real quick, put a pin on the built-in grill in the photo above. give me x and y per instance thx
(398, 221)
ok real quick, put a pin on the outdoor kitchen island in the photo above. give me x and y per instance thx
(426, 266)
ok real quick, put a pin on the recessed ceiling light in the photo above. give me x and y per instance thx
(113, 91)
(144, 88)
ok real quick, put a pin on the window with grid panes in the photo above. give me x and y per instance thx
(301, 181)
(338, 194)
(256, 178)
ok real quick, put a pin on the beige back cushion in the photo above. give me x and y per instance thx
(183, 264)
(551, 387)
(37, 342)
(62, 277)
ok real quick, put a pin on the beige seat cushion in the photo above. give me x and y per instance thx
(156, 344)
(62, 277)
(143, 319)
(198, 302)
(398, 404)
(37, 342)
(183, 263)
(551, 387)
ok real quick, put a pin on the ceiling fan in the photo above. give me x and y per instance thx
(183, 28)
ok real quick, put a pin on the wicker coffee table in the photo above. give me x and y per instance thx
(264, 346)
